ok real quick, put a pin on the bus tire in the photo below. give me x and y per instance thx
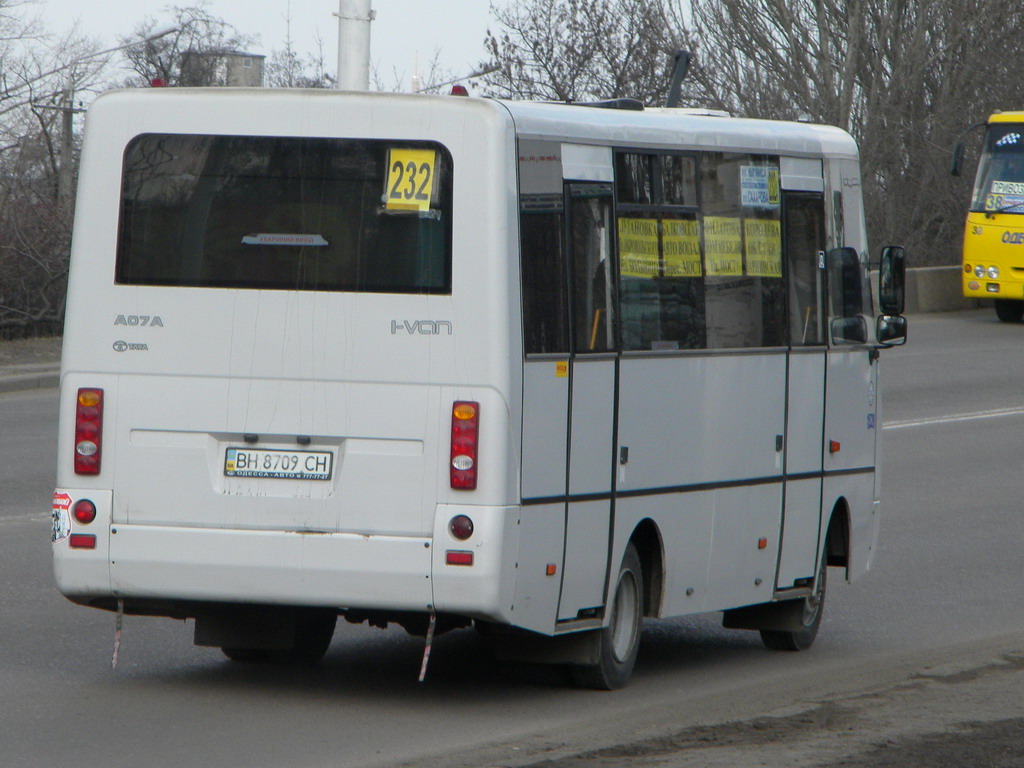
(1009, 310)
(812, 608)
(620, 640)
(314, 628)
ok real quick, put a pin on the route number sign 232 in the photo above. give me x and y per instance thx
(410, 179)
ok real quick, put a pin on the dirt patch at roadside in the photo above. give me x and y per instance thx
(949, 717)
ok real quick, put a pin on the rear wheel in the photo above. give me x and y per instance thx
(811, 608)
(314, 628)
(1010, 310)
(620, 640)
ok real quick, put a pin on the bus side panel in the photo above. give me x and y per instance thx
(586, 557)
(541, 535)
(742, 565)
(684, 521)
(850, 411)
(701, 419)
(545, 425)
(801, 531)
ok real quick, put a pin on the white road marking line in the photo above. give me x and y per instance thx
(973, 416)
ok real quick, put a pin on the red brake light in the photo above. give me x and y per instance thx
(465, 441)
(88, 431)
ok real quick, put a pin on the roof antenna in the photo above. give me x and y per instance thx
(680, 66)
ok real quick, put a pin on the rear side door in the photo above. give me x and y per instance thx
(592, 375)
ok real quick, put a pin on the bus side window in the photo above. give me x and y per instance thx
(745, 301)
(804, 237)
(545, 296)
(660, 270)
(846, 297)
(593, 274)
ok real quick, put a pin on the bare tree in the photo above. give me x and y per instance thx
(188, 56)
(573, 50)
(905, 77)
(423, 80)
(287, 69)
(40, 76)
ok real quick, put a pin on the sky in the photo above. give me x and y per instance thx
(402, 31)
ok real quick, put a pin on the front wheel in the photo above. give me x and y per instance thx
(812, 608)
(1010, 310)
(620, 640)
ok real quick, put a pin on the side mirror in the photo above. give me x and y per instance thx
(892, 280)
(891, 330)
(957, 162)
(849, 330)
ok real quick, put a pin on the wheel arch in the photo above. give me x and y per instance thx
(647, 539)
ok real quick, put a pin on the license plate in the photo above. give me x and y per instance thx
(288, 465)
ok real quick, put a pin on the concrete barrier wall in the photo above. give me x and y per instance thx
(934, 289)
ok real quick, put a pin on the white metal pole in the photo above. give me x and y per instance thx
(354, 17)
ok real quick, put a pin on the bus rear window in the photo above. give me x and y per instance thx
(283, 213)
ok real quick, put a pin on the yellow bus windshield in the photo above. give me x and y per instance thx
(999, 184)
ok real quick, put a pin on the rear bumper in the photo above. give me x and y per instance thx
(163, 564)
(288, 568)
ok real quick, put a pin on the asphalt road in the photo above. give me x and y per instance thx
(945, 590)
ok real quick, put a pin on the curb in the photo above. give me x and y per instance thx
(27, 381)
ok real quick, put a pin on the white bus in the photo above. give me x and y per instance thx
(437, 360)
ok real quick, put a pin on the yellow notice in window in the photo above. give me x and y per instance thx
(723, 245)
(681, 247)
(410, 182)
(764, 247)
(638, 247)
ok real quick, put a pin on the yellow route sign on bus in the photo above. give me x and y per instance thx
(410, 182)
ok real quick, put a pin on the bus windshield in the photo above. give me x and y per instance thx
(999, 185)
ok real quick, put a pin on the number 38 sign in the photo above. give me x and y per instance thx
(410, 179)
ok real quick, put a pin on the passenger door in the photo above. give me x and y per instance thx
(804, 243)
(592, 373)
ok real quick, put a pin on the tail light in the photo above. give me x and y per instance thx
(465, 441)
(84, 511)
(88, 431)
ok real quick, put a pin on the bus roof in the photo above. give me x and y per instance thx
(677, 128)
(1007, 117)
(653, 127)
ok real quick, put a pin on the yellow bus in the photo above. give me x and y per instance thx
(993, 256)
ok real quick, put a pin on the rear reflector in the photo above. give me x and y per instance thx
(88, 431)
(465, 441)
(456, 557)
(83, 541)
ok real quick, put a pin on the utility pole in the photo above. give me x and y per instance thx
(354, 17)
(65, 170)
